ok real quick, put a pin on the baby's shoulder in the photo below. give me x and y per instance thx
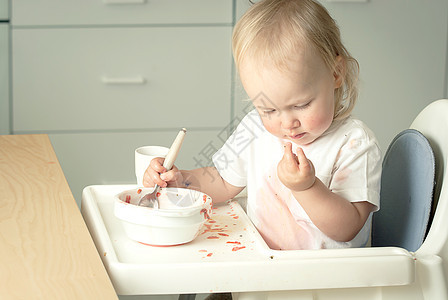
(352, 128)
(251, 121)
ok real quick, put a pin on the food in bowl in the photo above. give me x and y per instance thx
(178, 220)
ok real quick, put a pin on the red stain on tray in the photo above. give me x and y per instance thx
(235, 242)
(208, 254)
(223, 234)
(238, 248)
(128, 198)
(213, 237)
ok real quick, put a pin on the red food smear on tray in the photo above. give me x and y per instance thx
(235, 242)
(238, 248)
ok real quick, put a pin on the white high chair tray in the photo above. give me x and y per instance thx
(230, 255)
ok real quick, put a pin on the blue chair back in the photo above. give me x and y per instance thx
(407, 185)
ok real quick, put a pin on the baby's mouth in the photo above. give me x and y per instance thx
(296, 136)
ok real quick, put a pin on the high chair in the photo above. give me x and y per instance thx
(231, 255)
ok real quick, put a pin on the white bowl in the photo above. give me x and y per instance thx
(180, 216)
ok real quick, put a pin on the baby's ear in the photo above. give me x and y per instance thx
(339, 72)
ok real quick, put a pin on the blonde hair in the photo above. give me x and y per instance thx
(277, 29)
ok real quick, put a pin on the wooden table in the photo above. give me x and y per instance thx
(46, 251)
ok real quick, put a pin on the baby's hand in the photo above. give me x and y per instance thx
(157, 174)
(296, 172)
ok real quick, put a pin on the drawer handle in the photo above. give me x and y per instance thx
(123, 80)
(112, 2)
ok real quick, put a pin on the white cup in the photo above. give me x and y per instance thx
(143, 157)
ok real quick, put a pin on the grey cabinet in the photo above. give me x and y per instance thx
(121, 78)
(105, 77)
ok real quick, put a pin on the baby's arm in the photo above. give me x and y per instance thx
(207, 180)
(335, 216)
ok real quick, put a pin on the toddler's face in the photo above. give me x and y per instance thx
(297, 105)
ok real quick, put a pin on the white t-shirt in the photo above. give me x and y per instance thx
(346, 158)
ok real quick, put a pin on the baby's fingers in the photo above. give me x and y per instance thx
(301, 157)
(157, 164)
(289, 156)
(171, 175)
(151, 177)
(304, 163)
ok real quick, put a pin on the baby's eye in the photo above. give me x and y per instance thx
(303, 106)
(268, 111)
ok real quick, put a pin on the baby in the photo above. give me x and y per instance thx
(311, 170)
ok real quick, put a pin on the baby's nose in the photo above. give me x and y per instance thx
(289, 121)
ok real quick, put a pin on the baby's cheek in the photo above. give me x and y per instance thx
(270, 126)
(320, 122)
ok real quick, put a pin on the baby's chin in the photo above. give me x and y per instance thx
(294, 143)
(301, 141)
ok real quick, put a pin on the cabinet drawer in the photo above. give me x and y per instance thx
(4, 10)
(103, 12)
(108, 158)
(121, 78)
